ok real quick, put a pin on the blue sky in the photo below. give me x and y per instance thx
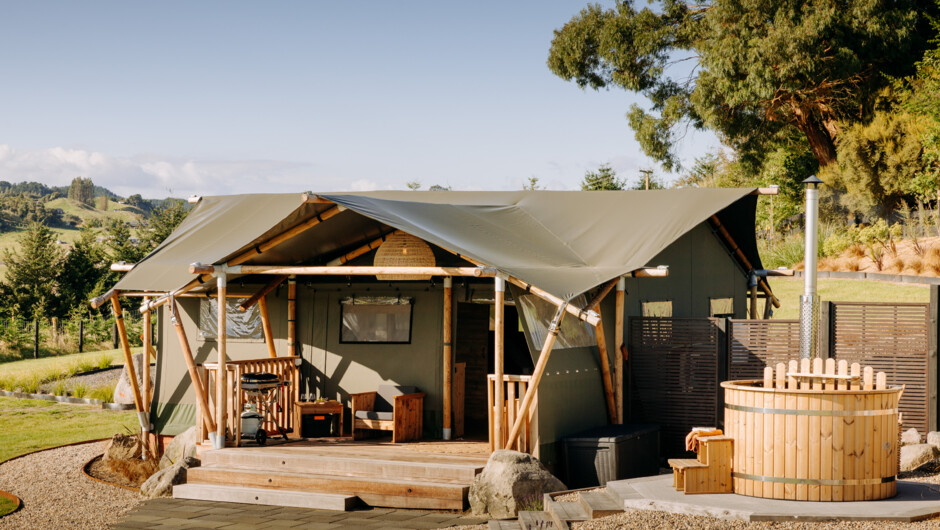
(179, 98)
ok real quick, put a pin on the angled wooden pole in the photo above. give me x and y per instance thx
(126, 347)
(729, 241)
(523, 414)
(448, 360)
(266, 326)
(586, 315)
(499, 312)
(202, 400)
(221, 379)
(244, 306)
(605, 369)
(618, 344)
(291, 316)
(371, 245)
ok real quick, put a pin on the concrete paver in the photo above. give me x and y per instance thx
(914, 501)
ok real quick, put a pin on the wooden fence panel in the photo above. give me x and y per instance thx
(889, 337)
(674, 376)
(754, 344)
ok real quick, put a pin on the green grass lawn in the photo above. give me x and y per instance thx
(788, 290)
(28, 374)
(6, 506)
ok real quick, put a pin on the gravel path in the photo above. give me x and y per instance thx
(56, 494)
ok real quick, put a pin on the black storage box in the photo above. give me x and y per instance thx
(317, 425)
(614, 452)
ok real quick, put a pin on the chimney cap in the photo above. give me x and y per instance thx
(813, 180)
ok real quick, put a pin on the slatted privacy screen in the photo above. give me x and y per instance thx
(754, 344)
(892, 338)
(674, 376)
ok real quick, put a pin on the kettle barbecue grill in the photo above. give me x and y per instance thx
(263, 393)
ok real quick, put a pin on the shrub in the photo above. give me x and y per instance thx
(916, 265)
(80, 390)
(104, 393)
(59, 388)
(104, 361)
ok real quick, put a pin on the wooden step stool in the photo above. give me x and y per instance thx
(710, 472)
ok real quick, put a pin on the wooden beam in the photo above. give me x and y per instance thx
(314, 199)
(523, 415)
(196, 282)
(649, 272)
(448, 360)
(605, 370)
(255, 298)
(620, 294)
(126, 347)
(740, 255)
(284, 236)
(145, 366)
(193, 199)
(588, 316)
(601, 294)
(499, 312)
(202, 400)
(779, 272)
(477, 272)
(368, 247)
(765, 191)
(291, 316)
(122, 266)
(99, 301)
(221, 380)
(266, 326)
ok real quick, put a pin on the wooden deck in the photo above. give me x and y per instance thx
(427, 475)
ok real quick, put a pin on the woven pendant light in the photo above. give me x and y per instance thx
(403, 250)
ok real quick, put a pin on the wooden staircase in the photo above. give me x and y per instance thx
(710, 472)
(333, 477)
(558, 514)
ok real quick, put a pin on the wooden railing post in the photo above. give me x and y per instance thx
(222, 376)
(618, 345)
(448, 357)
(498, 317)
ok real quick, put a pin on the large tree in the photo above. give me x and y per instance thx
(758, 68)
(31, 288)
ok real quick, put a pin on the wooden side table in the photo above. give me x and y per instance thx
(302, 408)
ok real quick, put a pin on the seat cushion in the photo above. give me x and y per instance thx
(372, 415)
(385, 396)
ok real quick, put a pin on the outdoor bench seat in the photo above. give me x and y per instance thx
(399, 409)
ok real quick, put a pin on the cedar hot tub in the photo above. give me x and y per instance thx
(814, 435)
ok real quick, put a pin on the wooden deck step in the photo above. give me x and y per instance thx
(599, 504)
(374, 491)
(685, 463)
(244, 495)
(530, 520)
(496, 524)
(563, 512)
(388, 464)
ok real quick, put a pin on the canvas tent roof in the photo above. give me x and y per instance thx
(565, 242)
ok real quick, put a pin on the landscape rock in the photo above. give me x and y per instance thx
(162, 482)
(124, 392)
(911, 437)
(933, 438)
(916, 455)
(122, 447)
(510, 479)
(182, 445)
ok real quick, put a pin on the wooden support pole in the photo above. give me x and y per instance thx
(202, 400)
(740, 255)
(753, 295)
(122, 266)
(153, 304)
(221, 380)
(126, 347)
(477, 272)
(272, 285)
(499, 312)
(618, 345)
(523, 415)
(291, 316)
(145, 365)
(605, 370)
(448, 357)
(368, 247)
(266, 326)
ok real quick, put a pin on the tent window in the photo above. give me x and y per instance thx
(721, 307)
(661, 309)
(376, 319)
(538, 315)
(238, 324)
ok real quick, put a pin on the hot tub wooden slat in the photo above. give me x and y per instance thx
(780, 431)
(749, 428)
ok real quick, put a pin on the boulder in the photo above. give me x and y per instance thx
(915, 455)
(124, 392)
(933, 438)
(122, 447)
(509, 479)
(162, 482)
(911, 437)
(182, 445)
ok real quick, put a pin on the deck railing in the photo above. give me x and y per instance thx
(285, 368)
(514, 389)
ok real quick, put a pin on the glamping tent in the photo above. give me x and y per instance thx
(410, 288)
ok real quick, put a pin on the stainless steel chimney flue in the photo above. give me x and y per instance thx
(809, 301)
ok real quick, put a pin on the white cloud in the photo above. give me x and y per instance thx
(157, 176)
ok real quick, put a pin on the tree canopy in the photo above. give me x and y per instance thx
(758, 69)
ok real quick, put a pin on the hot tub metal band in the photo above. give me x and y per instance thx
(816, 481)
(794, 412)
